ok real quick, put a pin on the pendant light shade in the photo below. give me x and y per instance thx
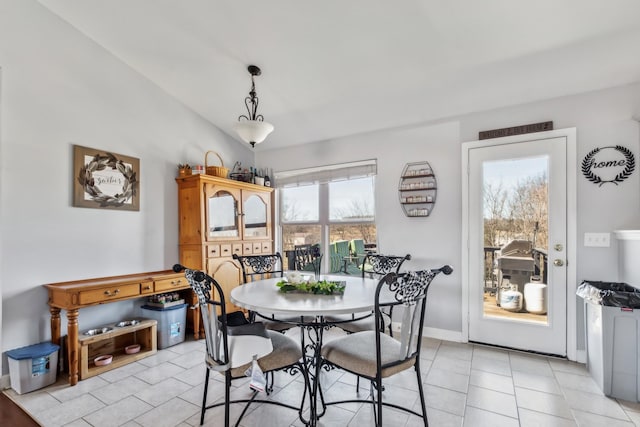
(252, 128)
(253, 131)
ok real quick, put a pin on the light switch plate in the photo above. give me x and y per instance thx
(601, 240)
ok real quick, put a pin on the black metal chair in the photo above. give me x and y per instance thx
(374, 266)
(375, 355)
(260, 267)
(286, 353)
(308, 258)
(377, 266)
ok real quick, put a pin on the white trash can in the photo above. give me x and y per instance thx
(612, 326)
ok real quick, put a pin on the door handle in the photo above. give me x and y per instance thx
(558, 262)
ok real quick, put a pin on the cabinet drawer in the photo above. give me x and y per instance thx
(171, 284)
(213, 251)
(257, 247)
(225, 250)
(247, 248)
(110, 293)
(266, 248)
(237, 248)
(146, 288)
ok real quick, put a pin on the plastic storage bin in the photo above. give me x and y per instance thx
(33, 367)
(612, 325)
(172, 322)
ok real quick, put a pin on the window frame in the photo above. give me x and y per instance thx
(323, 217)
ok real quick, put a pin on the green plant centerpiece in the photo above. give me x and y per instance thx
(297, 282)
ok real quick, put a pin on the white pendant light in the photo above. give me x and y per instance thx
(252, 128)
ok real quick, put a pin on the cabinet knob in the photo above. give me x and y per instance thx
(146, 288)
(109, 294)
(176, 282)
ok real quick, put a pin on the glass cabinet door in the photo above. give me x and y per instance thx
(222, 215)
(257, 217)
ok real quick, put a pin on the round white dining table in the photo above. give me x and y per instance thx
(264, 297)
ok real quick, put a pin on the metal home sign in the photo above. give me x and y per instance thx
(608, 164)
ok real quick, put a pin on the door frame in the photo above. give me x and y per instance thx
(570, 135)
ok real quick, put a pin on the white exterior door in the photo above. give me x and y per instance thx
(516, 214)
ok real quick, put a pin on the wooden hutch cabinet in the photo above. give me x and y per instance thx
(219, 217)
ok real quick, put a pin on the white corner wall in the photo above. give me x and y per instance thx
(602, 118)
(61, 89)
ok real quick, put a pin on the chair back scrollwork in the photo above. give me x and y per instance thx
(259, 267)
(215, 326)
(407, 291)
(377, 265)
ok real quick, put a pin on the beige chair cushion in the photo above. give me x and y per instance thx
(286, 351)
(357, 353)
(363, 324)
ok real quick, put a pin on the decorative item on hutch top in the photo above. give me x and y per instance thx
(220, 171)
(105, 180)
(417, 189)
(252, 128)
(184, 169)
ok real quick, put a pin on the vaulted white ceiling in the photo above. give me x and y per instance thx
(339, 67)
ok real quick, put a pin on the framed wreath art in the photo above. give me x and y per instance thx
(105, 180)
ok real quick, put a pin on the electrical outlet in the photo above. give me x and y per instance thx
(601, 240)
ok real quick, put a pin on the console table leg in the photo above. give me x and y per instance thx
(72, 345)
(55, 325)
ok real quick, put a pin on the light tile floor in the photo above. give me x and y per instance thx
(465, 385)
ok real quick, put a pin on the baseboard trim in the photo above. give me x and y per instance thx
(435, 333)
(581, 356)
(5, 382)
(442, 334)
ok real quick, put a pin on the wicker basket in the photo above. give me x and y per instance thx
(220, 171)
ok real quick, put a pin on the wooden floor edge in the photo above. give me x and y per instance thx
(13, 414)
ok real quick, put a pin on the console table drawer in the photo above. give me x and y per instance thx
(146, 288)
(111, 293)
(171, 284)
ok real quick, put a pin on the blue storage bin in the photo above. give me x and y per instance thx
(33, 367)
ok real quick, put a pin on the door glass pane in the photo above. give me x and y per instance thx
(223, 221)
(255, 217)
(515, 226)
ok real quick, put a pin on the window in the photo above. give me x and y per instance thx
(351, 200)
(300, 204)
(333, 208)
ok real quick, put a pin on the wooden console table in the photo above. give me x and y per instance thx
(72, 296)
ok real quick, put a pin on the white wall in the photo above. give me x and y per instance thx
(602, 118)
(1, 181)
(60, 89)
(431, 241)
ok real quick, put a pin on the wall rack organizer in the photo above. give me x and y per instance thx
(417, 189)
